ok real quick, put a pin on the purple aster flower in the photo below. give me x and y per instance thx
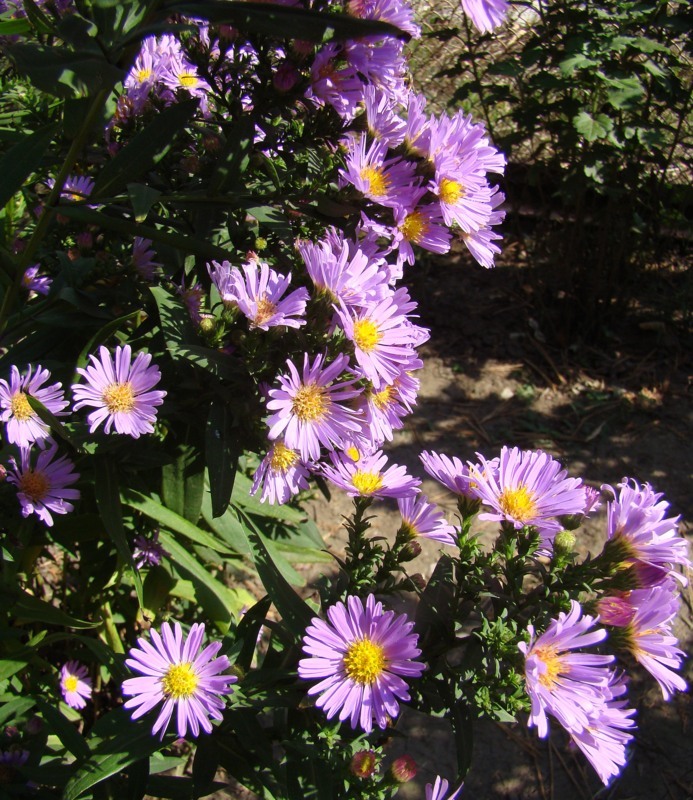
(143, 258)
(121, 392)
(181, 677)
(343, 271)
(438, 790)
(223, 276)
(605, 739)
(308, 407)
(486, 14)
(148, 551)
(570, 686)
(360, 657)
(421, 518)
(75, 684)
(42, 489)
(417, 134)
(641, 536)
(396, 12)
(389, 182)
(383, 412)
(527, 487)
(259, 292)
(281, 475)
(337, 86)
(383, 122)
(384, 337)
(451, 472)
(24, 426)
(75, 189)
(367, 477)
(33, 282)
(423, 226)
(153, 58)
(464, 195)
(379, 60)
(192, 298)
(649, 637)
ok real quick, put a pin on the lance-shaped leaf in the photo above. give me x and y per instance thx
(20, 161)
(222, 450)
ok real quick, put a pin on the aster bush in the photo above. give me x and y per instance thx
(206, 218)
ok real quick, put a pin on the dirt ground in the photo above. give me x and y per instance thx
(492, 376)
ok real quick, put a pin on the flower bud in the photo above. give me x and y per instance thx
(403, 769)
(564, 542)
(363, 764)
(208, 324)
(410, 551)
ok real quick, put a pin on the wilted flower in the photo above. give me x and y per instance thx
(121, 392)
(360, 656)
(148, 551)
(181, 677)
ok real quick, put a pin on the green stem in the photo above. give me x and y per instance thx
(51, 201)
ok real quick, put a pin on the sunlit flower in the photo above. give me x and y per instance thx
(640, 535)
(438, 790)
(23, 424)
(649, 638)
(121, 391)
(367, 477)
(571, 686)
(76, 187)
(384, 337)
(396, 12)
(259, 293)
(486, 14)
(75, 684)
(360, 657)
(383, 412)
(281, 475)
(381, 117)
(308, 407)
(421, 518)
(181, 677)
(451, 472)
(527, 487)
(43, 488)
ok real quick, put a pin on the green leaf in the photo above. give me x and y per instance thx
(227, 527)
(219, 602)
(101, 336)
(284, 22)
(241, 497)
(164, 516)
(592, 128)
(20, 161)
(462, 725)
(53, 422)
(12, 27)
(222, 450)
(183, 480)
(145, 150)
(62, 73)
(108, 502)
(15, 708)
(27, 607)
(58, 724)
(271, 218)
(133, 742)
(142, 199)
(295, 613)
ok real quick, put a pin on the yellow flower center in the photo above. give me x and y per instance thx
(282, 457)
(353, 453)
(364, 661)
(366, 335)
(366, 483)
(20, 408)
(552, 661)
(180, 680)
(119, 397)
(266, 309)
(34, 485)
(414, 227)
(143, 74)
(450, 191)
(187, 80)
(310, 403)
(70, 683)
(378, 183)
(519, 504)
(382, 399)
